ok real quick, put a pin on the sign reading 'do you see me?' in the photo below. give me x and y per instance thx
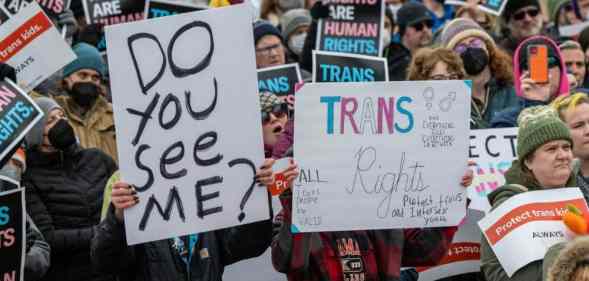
(27, 39)
(392, 155)
(353, 26)
(193, 136)
(493, 150)
(12, 234)
(339, 67)
(522, 229)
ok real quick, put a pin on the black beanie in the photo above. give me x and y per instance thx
(513, 5)
(263, 28)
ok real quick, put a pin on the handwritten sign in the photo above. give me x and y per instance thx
(339, 67)
(463, 255)
(27, 38)
(12, 234)
(280, 80)
(352, 27)
(493, 7)
(190, 106)
(159, 8)
(383, 152)
(522, 229)
(493, 150)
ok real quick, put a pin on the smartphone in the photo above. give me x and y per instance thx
(538, 63)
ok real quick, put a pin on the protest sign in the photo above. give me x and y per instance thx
(463, 255)
(53, 8)
(18, 114)
(12, 234)
(27, 38)
(352, 27)
(494, 7)
(107, 12)
(281, 81)
(385, 150)
(493, 151)
(162, 8)
(338, 67)
(521, 229)
(197, 175)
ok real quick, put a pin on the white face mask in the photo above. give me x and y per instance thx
(296, 43)
(386, 38)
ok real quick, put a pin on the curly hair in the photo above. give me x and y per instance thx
(500, 65)
(426, 59)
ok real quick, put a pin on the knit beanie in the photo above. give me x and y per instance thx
(537, 126)
(35, 136)
(461, 28)
(292, 20)
(411, 13)
(263, 28)
(268, 101)
(513, 5)
(88, 58)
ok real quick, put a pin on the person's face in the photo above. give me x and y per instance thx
(574, 60)
(525, 22)
(82, 75)
(441, 72)
(269, 52)
(577, 119)
(584, 7)
(567, 15)
(52, 118)
(418, 35)
(273, 123)
(551, 163)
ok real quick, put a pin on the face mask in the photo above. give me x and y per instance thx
(84, 93)
(475, 60)
(62, 135)
(386, 38)
(12, 172)
(296, 43)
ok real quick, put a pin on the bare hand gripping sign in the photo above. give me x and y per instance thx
(188, 122)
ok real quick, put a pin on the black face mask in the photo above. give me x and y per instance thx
(62, 135)
(84, 93)
(475, 60)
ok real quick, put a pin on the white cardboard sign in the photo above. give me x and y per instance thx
(33, 46)
(188, 122)
(392, 152)
(522, 229)
(493, 150)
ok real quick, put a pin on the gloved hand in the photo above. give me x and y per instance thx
(67, 19)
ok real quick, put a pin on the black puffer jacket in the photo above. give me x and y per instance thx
(64, 197)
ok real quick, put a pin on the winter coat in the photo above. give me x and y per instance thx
(508, 117)
(157, 261)
(561, 260)
(516, 182)
(96, 128)
(314, 256)
(38, 253)
(64, 197)
(398, 61)
(501, 97)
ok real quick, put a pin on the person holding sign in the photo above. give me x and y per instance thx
(486, 65)
(544, 148)
(64, 185)
(542, 78)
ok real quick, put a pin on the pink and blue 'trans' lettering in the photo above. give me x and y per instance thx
(367, 119)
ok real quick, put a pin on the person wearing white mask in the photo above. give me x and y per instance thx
(295, 25)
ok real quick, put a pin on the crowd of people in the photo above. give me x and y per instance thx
(75, 199)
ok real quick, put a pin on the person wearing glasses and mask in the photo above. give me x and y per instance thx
(486, 65)
(522, 19)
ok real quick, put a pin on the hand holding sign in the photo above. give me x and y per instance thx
(283, 177)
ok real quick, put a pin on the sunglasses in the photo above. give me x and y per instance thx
(522, 14)
(475, 43)
(279, 111)
(421, 25)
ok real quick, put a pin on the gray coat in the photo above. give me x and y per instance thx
(37, 259)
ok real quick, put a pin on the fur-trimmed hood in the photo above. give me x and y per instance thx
(562, 259)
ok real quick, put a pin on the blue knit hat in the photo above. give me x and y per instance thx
(88, 58)
(263, 28)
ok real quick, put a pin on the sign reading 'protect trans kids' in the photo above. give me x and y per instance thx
(390, 151)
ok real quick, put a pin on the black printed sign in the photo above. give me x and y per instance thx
(334, 67)
(158, 8)
(12, 235)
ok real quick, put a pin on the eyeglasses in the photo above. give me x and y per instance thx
(267, 50)
(279, 111)
(475, 43)
(451, 76)
(420, 25)
(522, 14)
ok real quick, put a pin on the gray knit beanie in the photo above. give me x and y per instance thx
(292, 20)
(461, 28)
(35, 136)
